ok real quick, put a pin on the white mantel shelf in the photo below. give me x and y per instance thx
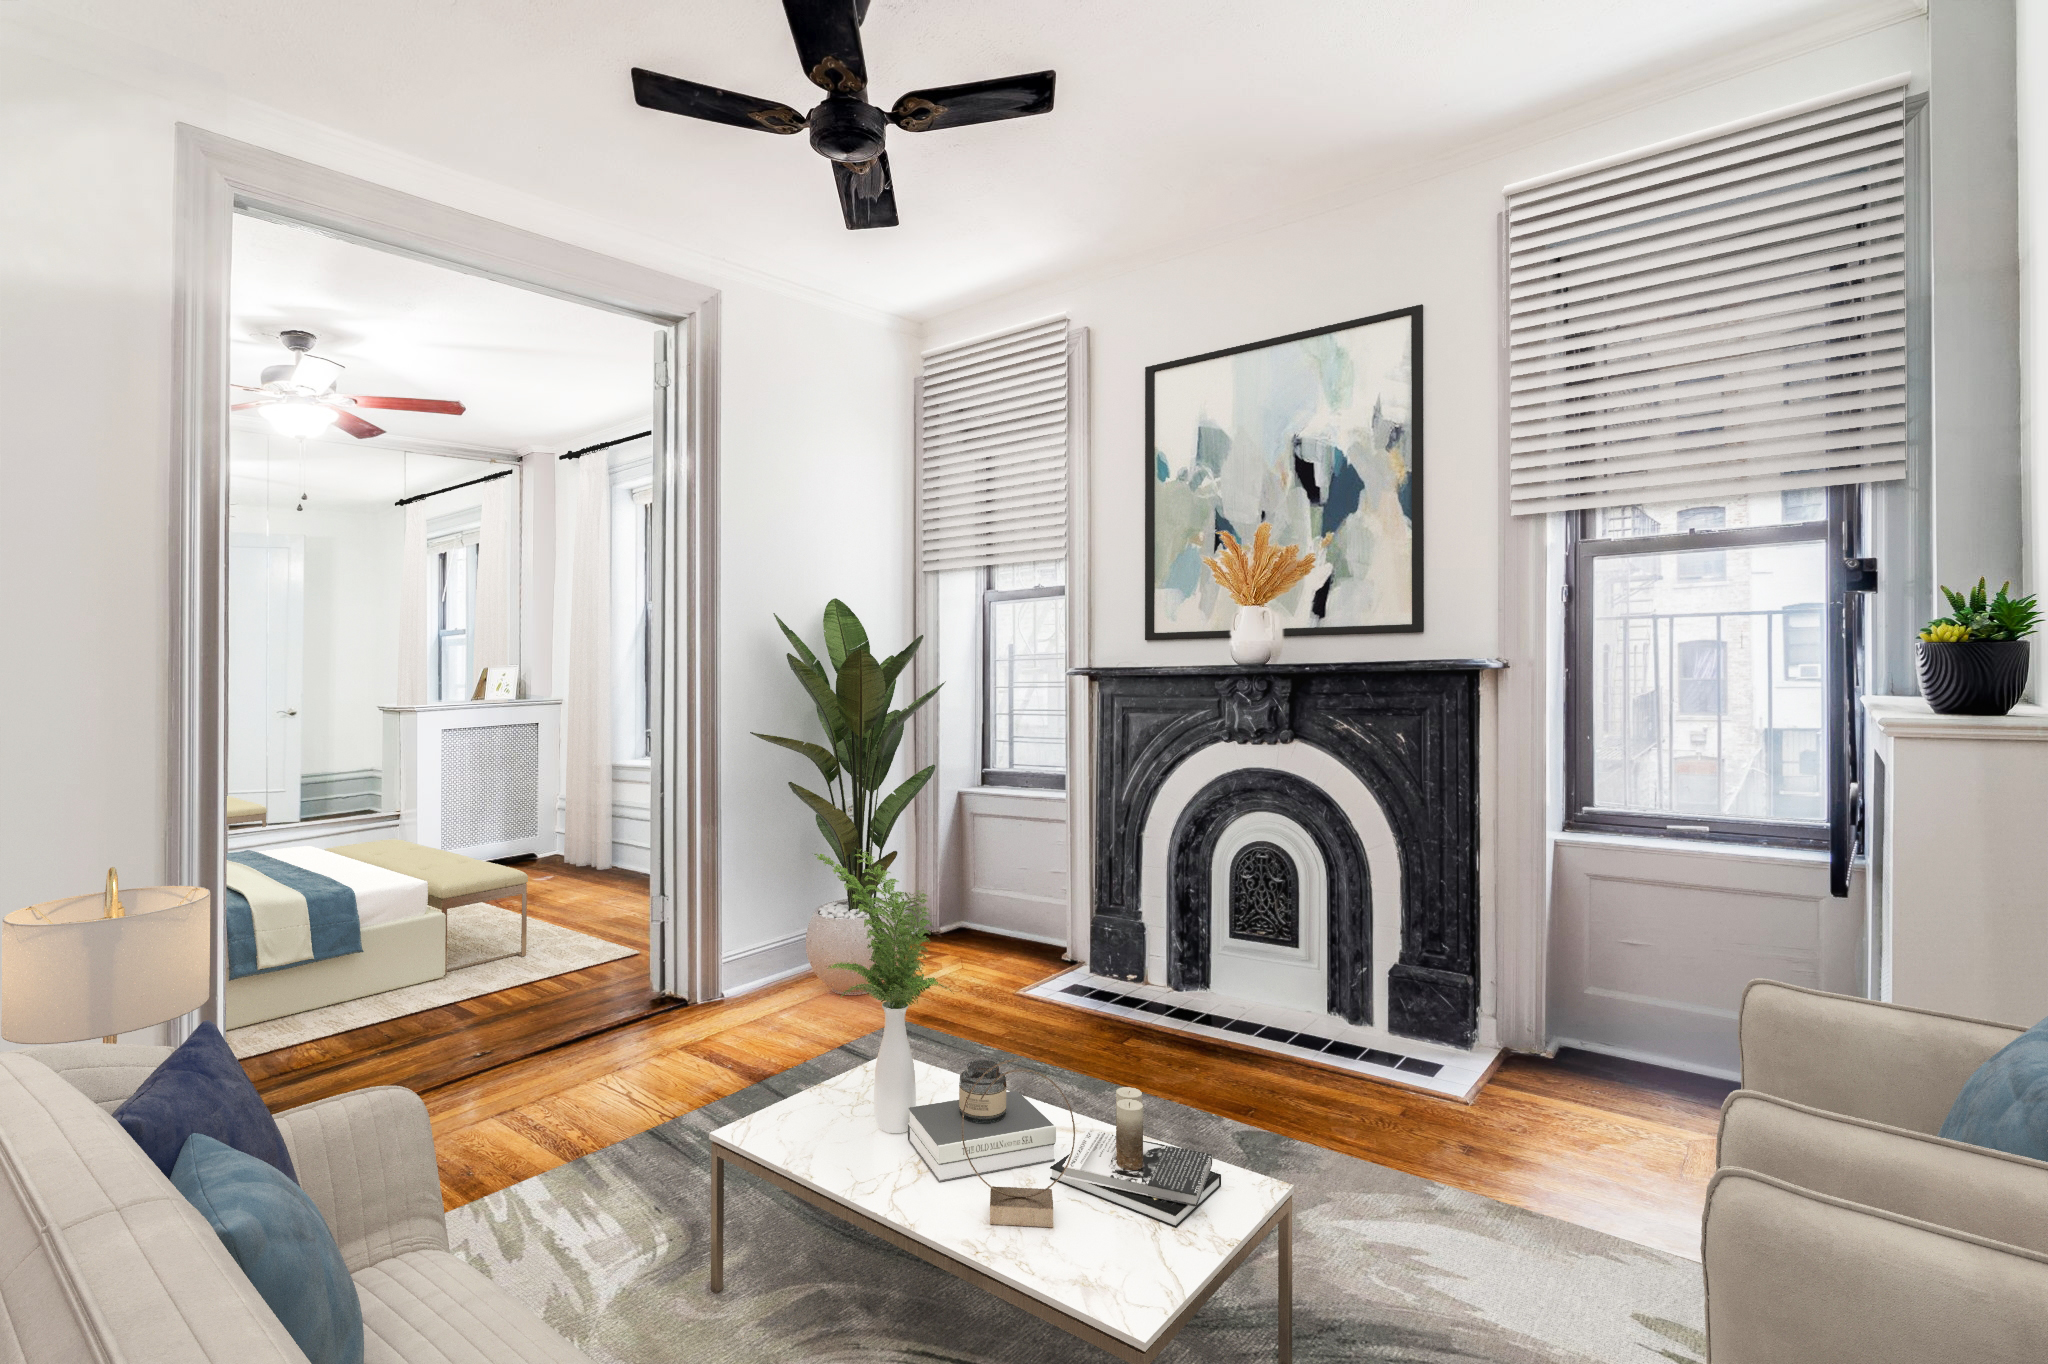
(1909, 717)
(1956, 927)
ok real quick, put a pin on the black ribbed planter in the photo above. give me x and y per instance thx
(1973, 678)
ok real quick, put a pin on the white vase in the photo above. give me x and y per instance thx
(895, 1081)
(1255, 635)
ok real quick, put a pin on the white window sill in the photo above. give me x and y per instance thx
(1020, 792)
(1691, 847)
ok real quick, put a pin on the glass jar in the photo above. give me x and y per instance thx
(984, 1093)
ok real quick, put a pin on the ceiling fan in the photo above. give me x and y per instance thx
(298, 398)
(844, 126)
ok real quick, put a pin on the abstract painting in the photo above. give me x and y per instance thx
(1318, 433)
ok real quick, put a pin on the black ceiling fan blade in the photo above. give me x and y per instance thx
(827, 34)
(956, 106)
(673, 95)
(867, 196)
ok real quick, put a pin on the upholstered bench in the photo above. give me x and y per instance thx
(451, 878)
(245, 812)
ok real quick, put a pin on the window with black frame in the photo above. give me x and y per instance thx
(1024, 662)
(1699, 685)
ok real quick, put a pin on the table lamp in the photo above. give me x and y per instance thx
(93, 966)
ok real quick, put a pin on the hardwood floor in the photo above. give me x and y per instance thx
(438, 1047)
(514, 1088)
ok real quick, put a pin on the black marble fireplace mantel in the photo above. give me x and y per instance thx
(1408, 730)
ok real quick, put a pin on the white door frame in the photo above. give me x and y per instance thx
(218, 176)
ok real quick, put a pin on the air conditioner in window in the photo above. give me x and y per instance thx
(1804, 672)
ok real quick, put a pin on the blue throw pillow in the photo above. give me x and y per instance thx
(278, 1237)
(201, 1087)
(2005, 1104)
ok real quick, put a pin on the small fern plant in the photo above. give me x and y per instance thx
(898, 927)
(1983, 618)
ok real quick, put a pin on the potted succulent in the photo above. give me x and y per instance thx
(861, 734)
(898, 926)
(1254, 579)
(1974, 662)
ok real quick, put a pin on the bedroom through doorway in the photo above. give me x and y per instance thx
(442, 660)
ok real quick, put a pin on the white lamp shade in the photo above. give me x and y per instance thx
(67, 973)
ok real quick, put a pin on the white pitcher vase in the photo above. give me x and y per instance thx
(1255, 635)
(895, 1081)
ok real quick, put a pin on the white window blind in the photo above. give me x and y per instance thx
(1725, 313)
(992, 450)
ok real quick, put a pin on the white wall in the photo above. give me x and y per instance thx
(1434, 243)
(815, 448)
(2032, 56)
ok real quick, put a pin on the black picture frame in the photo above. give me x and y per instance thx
(1414, 625)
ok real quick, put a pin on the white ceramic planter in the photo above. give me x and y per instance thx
(1255, 635)
(895, 1079)
(837, 934)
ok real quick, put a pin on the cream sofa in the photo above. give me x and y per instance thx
(102, 1261)
(1839, 1228)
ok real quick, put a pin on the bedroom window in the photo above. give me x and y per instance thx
(1024, 658)
(453, 561)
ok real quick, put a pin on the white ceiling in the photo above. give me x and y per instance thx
(271, 472)
(533, 371)
(1175, 118)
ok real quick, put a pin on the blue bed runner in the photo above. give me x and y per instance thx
(336, 931)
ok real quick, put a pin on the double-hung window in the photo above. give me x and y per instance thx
(1024, 659)
(1707, 359)
(1697, 681)
(452, 561)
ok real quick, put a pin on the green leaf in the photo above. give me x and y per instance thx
(822, 696)
(843, 632)
(828, 765)
(911, 709)
(838, 829)
(1977, 601)
(796, 642)
(892, 666)
(863, 695)
(881, 751)
(895, 804)
(881, 864)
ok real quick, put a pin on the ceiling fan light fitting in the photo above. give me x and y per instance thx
(298, 418)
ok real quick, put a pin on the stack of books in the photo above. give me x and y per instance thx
(1174, 1182)
(945, 1140)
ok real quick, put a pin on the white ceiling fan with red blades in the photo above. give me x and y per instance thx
(299, 397)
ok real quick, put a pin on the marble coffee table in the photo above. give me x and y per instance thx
(1116, 1279)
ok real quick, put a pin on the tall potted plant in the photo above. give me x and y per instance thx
(1974, 661)
(861, 734)
(898, 925)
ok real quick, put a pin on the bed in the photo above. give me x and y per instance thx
(403, 939)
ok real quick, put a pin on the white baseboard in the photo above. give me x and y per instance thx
(751, 968)
(1018, 933)
(1647, 1058)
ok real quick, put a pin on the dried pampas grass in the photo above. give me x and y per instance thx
(1257, 577)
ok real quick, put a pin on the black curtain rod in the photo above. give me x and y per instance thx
(421, 497)
(606, 445)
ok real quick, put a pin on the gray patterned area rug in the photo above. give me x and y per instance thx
(610, 1250)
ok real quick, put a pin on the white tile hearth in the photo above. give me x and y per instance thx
(1318, 1038)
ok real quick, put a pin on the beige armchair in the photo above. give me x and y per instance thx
(1839, 1228)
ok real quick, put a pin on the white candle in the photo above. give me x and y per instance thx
(1130, 1134)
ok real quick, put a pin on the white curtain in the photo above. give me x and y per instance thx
(497, 563)
(415, 604)
(587, 695)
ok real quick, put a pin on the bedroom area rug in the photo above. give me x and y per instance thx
(476, 933)
(611, 1251)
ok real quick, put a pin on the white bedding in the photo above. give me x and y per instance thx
(382, 896)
